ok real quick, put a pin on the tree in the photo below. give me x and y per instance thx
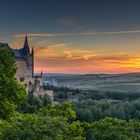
(33, 103)
(64, 110)
(12, 93)
(46, 126)
(114, 129)
(7, 63)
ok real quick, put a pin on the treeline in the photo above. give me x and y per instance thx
(57, 122)
(93, 110)
(98, 95)
(65, 93)
(62, 94)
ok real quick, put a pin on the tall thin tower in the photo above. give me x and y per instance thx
(32, 61)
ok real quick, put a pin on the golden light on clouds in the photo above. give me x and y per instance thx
(60, 58)
(57, 55)
(92, 64)
(78, 33)
(86, 61)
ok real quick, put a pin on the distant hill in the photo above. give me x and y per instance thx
(114, 82)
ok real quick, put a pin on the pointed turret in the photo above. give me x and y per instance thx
(26, 40)
(26, 50)
(32, 50)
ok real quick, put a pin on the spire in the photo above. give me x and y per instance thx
(26, 50)
(26, 40)
(32, 50)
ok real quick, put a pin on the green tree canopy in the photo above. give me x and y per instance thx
(7, 63)
(12, 93)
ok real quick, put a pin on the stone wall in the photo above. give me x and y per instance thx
(24, 73)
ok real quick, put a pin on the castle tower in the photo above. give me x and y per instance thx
(26, 66)
(26, 45)
(32, 54)
(25, 50)
(24, 62)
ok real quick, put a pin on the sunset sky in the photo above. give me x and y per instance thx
(75, 36)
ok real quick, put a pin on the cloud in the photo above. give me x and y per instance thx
(71, 61)
(65, 22)
(90, 62)
(59, 57)
(101, 33)
(66, 65)
(45, 43)
(58, 45)
(45, 51)
(78, 54)
(78, 34)
(35, 35)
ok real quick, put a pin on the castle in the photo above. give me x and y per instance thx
(24, 58)
(25, 62)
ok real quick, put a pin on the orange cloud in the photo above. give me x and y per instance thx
(53, 50)
(94, 64)
(57, 45)
(35, 35)
(61, 58)
(78, 34)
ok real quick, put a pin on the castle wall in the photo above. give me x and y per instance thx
(23, 72)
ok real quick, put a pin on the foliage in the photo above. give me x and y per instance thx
(34, 127)
(93, 110)
(114, 129)
(64, 110)
(12, 94)
(49, 125)
(7, 63)
(63, 94)
(32, 104)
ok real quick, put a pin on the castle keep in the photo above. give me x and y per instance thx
(24, 61)
(25, 69)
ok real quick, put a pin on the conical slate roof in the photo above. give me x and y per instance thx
(18, 53)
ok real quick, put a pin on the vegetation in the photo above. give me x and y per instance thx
(93, 110)
(100, 82)
(26, 117)
(12, 94)
(33, 103)
(64, 94)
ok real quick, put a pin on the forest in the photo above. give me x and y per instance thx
(93, 116)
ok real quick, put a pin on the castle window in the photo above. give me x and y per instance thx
(22, 79)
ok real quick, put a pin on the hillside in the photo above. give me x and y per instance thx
(114, 82)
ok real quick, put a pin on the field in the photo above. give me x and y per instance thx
(129, 82)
